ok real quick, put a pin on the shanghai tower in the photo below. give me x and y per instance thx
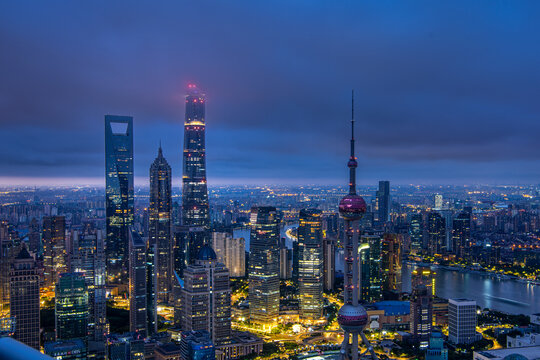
(194, 188)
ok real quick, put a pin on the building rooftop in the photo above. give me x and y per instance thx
(392, 307)
(528, 353)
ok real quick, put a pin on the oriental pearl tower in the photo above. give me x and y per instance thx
(352, 317)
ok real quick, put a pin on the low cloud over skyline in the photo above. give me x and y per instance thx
(446, 92)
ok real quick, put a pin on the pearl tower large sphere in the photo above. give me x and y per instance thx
(352, 207)
(352, 318)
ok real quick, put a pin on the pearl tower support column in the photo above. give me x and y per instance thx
(352, 317)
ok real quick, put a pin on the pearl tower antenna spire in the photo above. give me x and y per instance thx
(352, 317)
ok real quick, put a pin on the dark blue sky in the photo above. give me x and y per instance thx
(447, 91)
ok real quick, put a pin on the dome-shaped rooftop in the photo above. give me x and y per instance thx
(207, 253)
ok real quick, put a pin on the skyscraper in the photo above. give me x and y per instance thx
(118, 194)
(24, 298)
(137, 284)
(160, 225)
(264, 266)
(88, 258)
(34, 239)
(436, 233)
(461, 234)
(371, 271)
(311, 270)
(206, 297)
(383, 201)
(329, 253)
(194, 188)
(54, 251)
(151, 289)
(71, 307)
(231, 252)
(391, 262)
(422, 285)
(352, 317)
(416, 232)
(461, 321)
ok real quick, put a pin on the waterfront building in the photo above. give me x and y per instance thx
(436, 349)
(416, 232)
(195, 211)
(159, 229)
(71, 307)
(391, 262)
(382, 202)
(461, 235)
(73, 349)
(461, 321)
(231, 252)
(197, 345)
(311, 272)
(24, 298)
(87, 256)
(54, 250)
(206, 297)
(264, 266)
(436, 233)
(329, 256)
(137, 284)
(423, 276)
(421, 314)
(118, 194)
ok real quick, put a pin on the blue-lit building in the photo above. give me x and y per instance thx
(129, 346)
(197, 345)
(436, 349)
(71, 307)
(118, 194)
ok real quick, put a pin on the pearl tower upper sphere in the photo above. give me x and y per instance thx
(352, 318)
(352, 207)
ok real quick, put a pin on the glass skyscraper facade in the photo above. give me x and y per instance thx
(138, 290)
(119, 193)
(54, 249)
(310, 263)
(264, 266)
(194, 188)
(71, 307)
(160, 225)
(383, 201)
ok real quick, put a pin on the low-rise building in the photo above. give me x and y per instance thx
(519, 341)
(525, 353)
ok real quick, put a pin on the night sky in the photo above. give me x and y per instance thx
(447, 91)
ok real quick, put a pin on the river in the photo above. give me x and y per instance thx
(509, 296)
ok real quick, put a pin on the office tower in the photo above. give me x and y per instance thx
(206, 297)
(137, 284)
(34, 238)
(461, 321)
(422, 285)
(24, 298)
(9, 249)
(197, 345)
(416, 232)
(74, 349)
(329, 254)
(383, 201)
(54, 242)
(194, 188)
(391, 262)
(151, 289)
(159, 230)
(311, 268)
(438, 202)
(352, 317)
(436, 350)
(88, 258)
(286, 261)
(231, 252)
(264, 266)
(168, 351)
(118, 194)
(371, 274)
(461, 234)
(436, 233)
(71, 307)
(424, 276)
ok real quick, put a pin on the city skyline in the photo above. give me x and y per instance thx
(444, 121)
